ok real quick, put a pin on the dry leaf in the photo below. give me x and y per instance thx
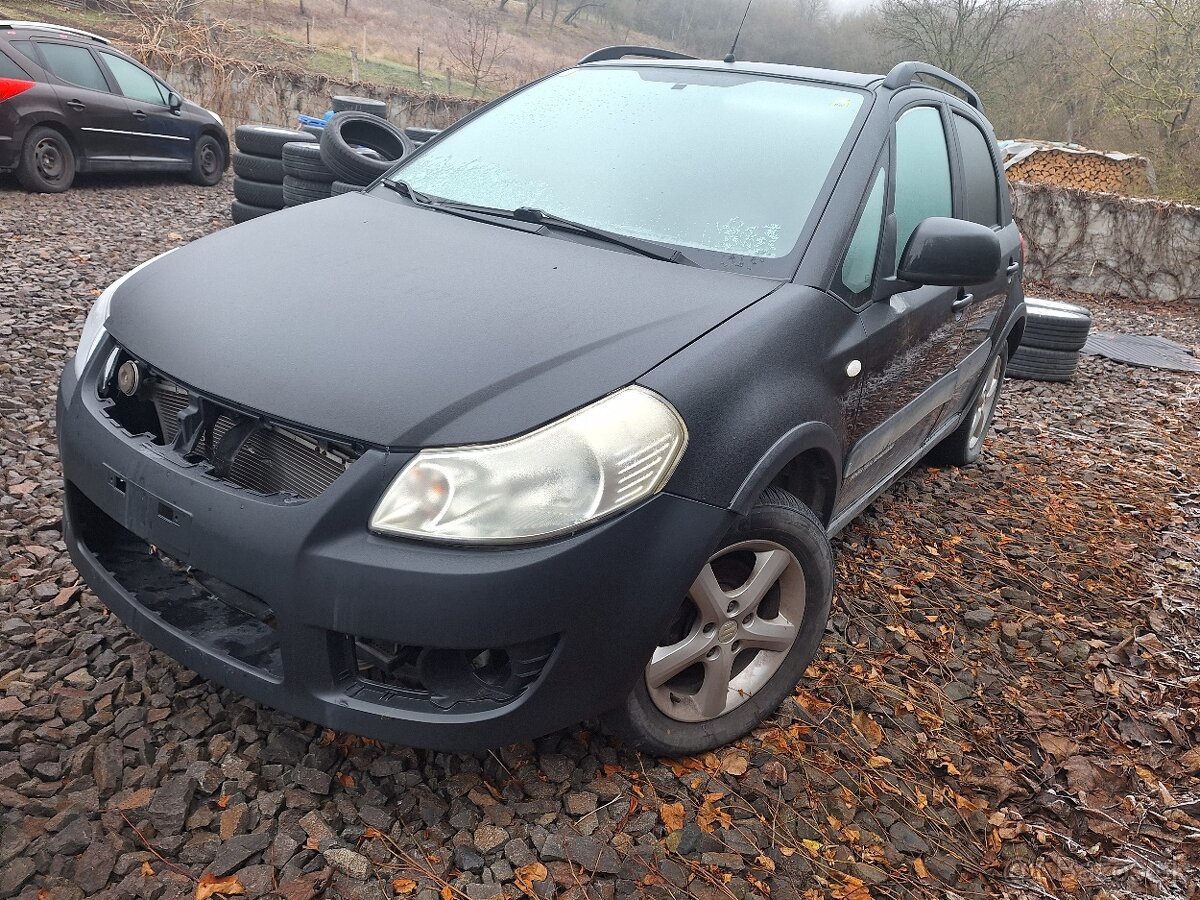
(868, 728)
(222, 801)
(788, 851)
(735, 762)
(878, 762)
(1057, 745)
(527, 875)
(147, 869)
(709, 815)
(346, 780)
(447, 892)
(672, 815)
(919, 868)
(811, 846)
(766, 862)
(403, 885)
(211, 884)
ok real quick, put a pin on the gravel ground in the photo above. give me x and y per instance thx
(1006, 703)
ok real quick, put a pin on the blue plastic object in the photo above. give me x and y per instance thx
(312, 122)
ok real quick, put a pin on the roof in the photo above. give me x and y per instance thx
(61, 30)
(781, 70)
(902, 75)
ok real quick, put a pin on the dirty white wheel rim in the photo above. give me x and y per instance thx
(742, 616)
(982, 413)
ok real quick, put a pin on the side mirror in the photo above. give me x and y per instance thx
(174, 101)
(950, 252)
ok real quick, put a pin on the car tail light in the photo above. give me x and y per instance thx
(10, 87)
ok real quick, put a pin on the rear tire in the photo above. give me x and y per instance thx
(964, 445)
(47, 163)
(208, 161)
(341, 187)
(769, 584)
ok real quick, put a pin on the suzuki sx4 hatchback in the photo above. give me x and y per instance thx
(564, 429)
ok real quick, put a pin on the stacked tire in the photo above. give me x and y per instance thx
(258, 183)
(1054, 334)
(369, 105)
(305, 176)
(359, 147)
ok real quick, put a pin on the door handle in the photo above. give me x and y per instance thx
(962, 302)
(1012, 268)
(138, 114)
(77, 104)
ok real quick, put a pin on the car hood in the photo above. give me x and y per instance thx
(370, 318)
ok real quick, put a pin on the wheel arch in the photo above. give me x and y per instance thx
(222, 139)
(62, 129)
(1014, 328)
(806, 462)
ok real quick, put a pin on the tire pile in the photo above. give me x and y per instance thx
(1054, 334)
(276, 168)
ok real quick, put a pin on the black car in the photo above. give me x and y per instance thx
(565, 426)
(70, 102)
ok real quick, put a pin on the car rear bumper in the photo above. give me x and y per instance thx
(286, 602)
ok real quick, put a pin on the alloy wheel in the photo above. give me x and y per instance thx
(741, 617)
(981, 415)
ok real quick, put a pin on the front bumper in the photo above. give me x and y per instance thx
(306, 582)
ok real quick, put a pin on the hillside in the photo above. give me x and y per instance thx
(390, 37)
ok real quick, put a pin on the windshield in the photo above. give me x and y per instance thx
(710, 160)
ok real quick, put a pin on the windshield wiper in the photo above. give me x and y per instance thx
(644, 246)
(533, 216)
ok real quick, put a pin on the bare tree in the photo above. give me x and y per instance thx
(175, 10)
(1151, 62)
(530, 6)
(973, 39)
(476, 43)
(580, 6)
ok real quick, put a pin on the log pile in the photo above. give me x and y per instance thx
(1072, 166)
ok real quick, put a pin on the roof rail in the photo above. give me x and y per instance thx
(47, 26)
(618, 52)
(902, 75)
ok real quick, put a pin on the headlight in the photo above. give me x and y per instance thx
(570, 473)
(93, 326)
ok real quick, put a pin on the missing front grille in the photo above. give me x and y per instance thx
(237, 448)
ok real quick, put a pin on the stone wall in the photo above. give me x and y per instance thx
(1106, 243)
(275, 96)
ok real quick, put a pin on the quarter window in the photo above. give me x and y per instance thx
(922, 172)
(9, 69)
(981, 202)
(134, 81)
(74, 65)
(858, 266)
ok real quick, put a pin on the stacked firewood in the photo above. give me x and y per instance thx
(1072, 166)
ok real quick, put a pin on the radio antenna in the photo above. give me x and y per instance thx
(733, 48)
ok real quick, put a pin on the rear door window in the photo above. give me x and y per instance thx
(134, 81)
(922, 172)
(9, 69)
(981, 199)
(74, 65)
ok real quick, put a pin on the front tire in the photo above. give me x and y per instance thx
(47, 162)
(208, 162)
(749, 627)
